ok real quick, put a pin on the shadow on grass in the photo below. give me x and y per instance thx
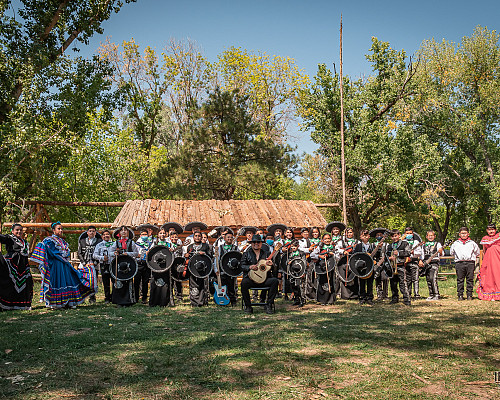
(102, 352)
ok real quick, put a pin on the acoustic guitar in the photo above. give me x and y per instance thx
(260, 275)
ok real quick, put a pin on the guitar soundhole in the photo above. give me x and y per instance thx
(262, 267)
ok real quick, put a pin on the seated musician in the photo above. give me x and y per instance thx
(248, 262)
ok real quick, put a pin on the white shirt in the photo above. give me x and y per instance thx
(468, 251)
(303, 245)
(437, 248)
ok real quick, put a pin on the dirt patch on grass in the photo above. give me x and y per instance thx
(438, 389)
(76, 332)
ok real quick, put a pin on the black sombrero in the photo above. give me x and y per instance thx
(271, 229)
(195, 224)
(168, 225)
(200, 265)
(123, 268)
(85, 234)
(148, 226)
(230, 263)
(243, 230)
(344, 272)
(297, 267)
(383, 231)
(330, 266)
(159, 259)
(335, 224)
(116, 233)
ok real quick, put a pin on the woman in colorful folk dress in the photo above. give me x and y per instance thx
(62, 284)
(16, 283)
(489, 274)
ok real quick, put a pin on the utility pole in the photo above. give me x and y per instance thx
(342, 159)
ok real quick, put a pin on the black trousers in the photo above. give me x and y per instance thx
(403, 280)
(177, 289)
(431, 274)
(106, 284)
(230, 283)
(298, 290)
(465, 270)
(141, 281)
(366, 288)
(414, 281)
(247, 283)
(198, 291)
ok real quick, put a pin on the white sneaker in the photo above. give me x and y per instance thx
(430, 298)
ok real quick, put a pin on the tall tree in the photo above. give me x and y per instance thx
(224, 156)
(385, 160)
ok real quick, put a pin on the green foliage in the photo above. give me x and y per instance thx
(385, 160)
(225, 155)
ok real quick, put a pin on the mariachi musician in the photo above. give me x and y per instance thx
(248, 232)
(161, 281)
(198, 287)
(298, 282)
(325, 293)
(225, 246)
(286, 285)
(87, 243)
(173, 230)
(398, 250)
(381, 263)
(123, 291)
(314, 240)
(365, 285)
(345, 247)
(249, 261)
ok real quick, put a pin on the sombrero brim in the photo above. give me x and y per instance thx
(272, 228)
(84, 235)
(116, 233)
(335, 224)
(167, 225)
(244, 230)
(196, 224)
(148, 226)
(376, 231)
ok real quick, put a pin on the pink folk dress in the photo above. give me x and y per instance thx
(489, 274)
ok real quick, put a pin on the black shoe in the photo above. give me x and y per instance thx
(369, 302)
(144, 302)
(269, 309)
(361, 302)
(416, 297)
(460, 298)
(394, 301)
(469, 297)
(286, 297)
(248, 310)
(407, 302)
(107, 301)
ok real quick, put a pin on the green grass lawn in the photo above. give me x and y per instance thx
(431, 350)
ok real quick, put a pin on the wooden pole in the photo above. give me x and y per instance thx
(64, 224)
(342, 159)
(73, 203)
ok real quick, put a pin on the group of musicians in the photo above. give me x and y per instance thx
(315, 267)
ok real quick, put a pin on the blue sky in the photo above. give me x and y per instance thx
(307, 31)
